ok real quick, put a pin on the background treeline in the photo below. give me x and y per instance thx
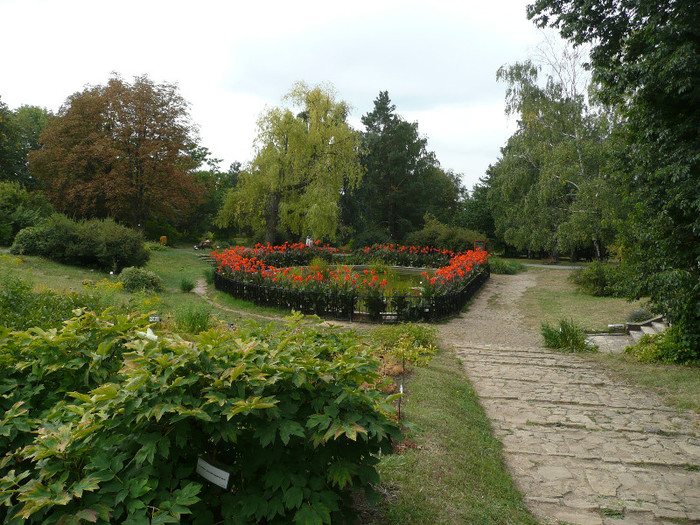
(607, 168)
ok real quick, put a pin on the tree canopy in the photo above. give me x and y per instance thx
(403, 180)
(548, 191)
(646, 58)
(304, 159)
(123, 150)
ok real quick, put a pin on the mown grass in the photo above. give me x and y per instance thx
(555, 298)
(678, 386)
(457, 475)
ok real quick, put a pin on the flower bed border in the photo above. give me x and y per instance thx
(351, 306)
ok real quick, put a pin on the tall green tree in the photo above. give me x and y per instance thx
(551, 170)
(125, 150)
(29, 122)
(304, 159)
(403, 180)
(646, 58)
(8, 144)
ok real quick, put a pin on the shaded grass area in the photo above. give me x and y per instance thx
(556, 298)
(457, 475)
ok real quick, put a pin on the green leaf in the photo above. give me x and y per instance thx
(85, 484)
(290, 428)
(293, 497)
(87, 515)
(307, 516)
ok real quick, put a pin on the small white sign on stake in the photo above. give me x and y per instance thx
(212, 474)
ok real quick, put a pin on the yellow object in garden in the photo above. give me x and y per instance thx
(164, 239)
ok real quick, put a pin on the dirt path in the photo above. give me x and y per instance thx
(582, 447)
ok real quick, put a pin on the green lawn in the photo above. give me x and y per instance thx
(452, 471)
(554, 298)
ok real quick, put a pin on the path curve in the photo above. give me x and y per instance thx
(583, 447)
(202, 290)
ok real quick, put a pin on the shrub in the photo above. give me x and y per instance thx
(501, 266)
(153, 246)
(442, 236)
(19, 209)
(140, 280)
(106, 421)
(193, 319)
(665, 347)
(640, 315)
(209, 275)
(414, 343)
(186, 285)
(568, 337)
(94, 243)
(596, 279)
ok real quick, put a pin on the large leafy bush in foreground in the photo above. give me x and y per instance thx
(104, 421)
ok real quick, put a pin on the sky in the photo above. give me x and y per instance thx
(437, 59)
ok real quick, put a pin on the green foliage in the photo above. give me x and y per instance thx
(22, 308)
(413, 342)
(140, 280)
(639, 315)
(403, 180)
(644, 58)
(193, 319)
(546, 192)
(304, 158)
(501, 266)
(186, 285)
(105, 420)
(209, 275)
(597, 279)
(96, 243)
(442, 236)
(568, 337)
(19, 209)
(666, 347)
(153, 246)
(19, 134)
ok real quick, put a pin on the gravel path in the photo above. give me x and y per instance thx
(582, 447)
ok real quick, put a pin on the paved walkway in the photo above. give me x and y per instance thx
(583, 448)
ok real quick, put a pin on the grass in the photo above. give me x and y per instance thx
(678, 386)
(555, 298)
(452, 470)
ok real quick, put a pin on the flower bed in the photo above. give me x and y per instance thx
(340, 292)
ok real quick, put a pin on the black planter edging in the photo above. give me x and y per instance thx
(353, 307)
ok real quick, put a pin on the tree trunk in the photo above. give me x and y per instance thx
(596, 245)
(272, 217)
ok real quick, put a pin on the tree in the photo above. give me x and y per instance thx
(29, 122)
(8, 144)
(403, 180)
(123, 150)
(646, 57)
(551, 170)
(302, 164)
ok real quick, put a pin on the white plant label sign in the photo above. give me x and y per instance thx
(212, 474)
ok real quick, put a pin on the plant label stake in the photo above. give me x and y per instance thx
(212, 474)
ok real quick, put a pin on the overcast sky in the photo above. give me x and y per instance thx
(437, 59)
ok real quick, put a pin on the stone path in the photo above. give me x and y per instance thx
(583, 448)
